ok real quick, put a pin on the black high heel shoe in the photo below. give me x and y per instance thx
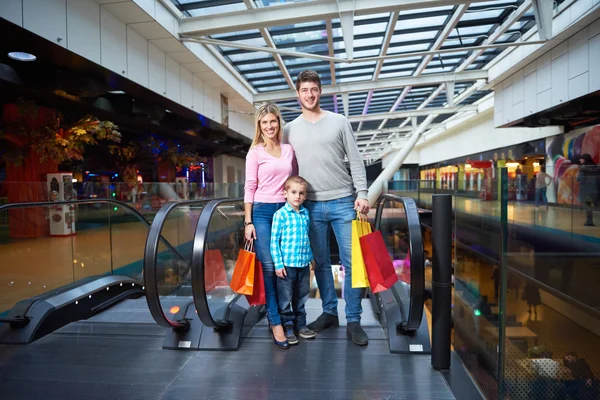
(282, 345)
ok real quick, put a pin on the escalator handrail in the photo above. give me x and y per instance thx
(198, 277)
(135, 212)
(417, 258)
(151, 258)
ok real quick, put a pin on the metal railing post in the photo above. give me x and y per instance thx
(441, 281)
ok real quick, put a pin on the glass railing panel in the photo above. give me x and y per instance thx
(31, 261)
(173, 262)
(74, 242)
(552, 335)
(223, 242)
(91, 240)
(394, 229)
(476, 279)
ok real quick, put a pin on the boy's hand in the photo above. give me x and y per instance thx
(313, 264)
(281, 273)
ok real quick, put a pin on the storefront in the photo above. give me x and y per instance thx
(475, 175)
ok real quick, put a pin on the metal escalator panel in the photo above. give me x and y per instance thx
(398, 220)
(167, 262)
(219, 238)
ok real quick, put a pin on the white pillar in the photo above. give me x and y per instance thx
(376, 187)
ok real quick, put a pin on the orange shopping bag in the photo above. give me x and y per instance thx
(242, 280)
(258, 297)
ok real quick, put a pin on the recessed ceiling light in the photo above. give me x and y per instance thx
(21, 56)
(116, 92)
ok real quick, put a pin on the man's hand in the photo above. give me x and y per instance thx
(281, 273)
(362, 206)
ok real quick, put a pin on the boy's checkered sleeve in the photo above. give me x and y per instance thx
(276, 231)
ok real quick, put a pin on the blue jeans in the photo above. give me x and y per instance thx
(292, 292)
(262, 217)
(541, 193)
(337, 215)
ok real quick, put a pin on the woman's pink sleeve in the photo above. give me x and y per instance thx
(251, 176)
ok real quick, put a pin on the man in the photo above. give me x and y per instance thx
(321, 141)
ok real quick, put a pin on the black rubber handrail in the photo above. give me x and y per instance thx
(198, 278)
(150, 259)
(417, 259)
(135, 212)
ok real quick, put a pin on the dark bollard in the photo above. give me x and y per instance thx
(441, 281)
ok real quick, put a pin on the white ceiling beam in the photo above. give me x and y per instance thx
(412, 113)
(514, 17)
(389, 33)
(270, 43)
(293, 13)
(299, 54)
(425, 80)
(329, 26)
(347, 22)
(390, 131)
(346, 102)
(437, 45)
(450, 93)
(542, 10)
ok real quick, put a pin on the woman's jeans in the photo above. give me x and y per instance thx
(262, 217)
(337, 215)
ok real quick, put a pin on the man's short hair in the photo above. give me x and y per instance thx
(308, 75)
(295, 179)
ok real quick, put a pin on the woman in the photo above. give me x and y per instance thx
(268, 164)
(588, 178)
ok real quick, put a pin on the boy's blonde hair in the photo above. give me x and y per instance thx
(295, 179)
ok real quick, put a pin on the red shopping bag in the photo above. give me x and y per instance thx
(380, 269)
(214, 270)
(258, 297)
(242, 280)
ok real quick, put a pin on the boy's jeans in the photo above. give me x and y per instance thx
(337, 215)
(292, 293)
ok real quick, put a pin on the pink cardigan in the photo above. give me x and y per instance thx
(265, 174)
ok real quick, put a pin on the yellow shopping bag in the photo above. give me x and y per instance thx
(360, 227)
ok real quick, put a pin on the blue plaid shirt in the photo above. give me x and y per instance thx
(290, 246)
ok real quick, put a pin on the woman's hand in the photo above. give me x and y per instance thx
(249, 232)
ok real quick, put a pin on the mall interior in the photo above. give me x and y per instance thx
(124, 130)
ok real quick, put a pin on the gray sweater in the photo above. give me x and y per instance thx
(320, 149)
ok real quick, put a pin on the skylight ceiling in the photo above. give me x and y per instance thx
(452, 27)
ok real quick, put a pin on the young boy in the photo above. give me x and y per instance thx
(292, 256)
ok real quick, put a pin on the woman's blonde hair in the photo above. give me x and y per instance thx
(262, 111)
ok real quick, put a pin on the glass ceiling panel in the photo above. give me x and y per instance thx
(415, 31)
(267, 3)
(409, 37)
(408, 49)
(420, 22)
(201, 12)
(249, 67)
(471, 30)
(471, 15)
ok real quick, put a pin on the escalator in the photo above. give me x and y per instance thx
(224, 319)
(95, 277)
